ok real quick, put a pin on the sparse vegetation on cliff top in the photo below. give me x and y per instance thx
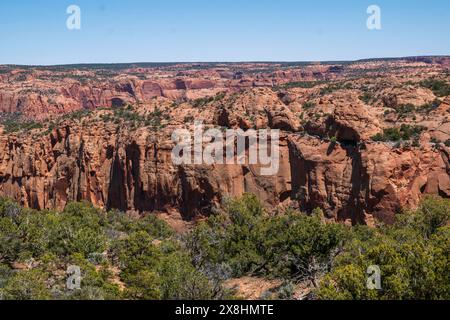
(440, 87)
(405, 132)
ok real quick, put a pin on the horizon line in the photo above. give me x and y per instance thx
(222, 62)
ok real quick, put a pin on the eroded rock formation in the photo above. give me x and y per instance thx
(328, 157)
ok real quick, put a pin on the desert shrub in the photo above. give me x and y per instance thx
(26, 285)
(15, 122)
(96, 281)
(412, 256)
(408, 109)
(135, 253)
(249, 241)
(309, 105)
(432, 214)
(31, 234)
(120, 222)
(447, 143)
(129, 116)
(409, 132)
(405, 132)
(232, 238)
(149, 264)
(389, 134)
(428, 107)
(181, 280)
(440, 87)
(302, 84)
(123, 257)
(367, 97)
(144, 285)
(10, 244)
(77, 115)
(405, 109)
(435, 140)
(153, 271)
(302, 247)
(335, 87)
(201, 102)
(77, 230)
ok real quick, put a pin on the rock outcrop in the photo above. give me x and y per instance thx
(115, 168)
(121, 158)
(43, 94)
(359, 183)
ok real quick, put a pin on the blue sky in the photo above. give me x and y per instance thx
(34, 31)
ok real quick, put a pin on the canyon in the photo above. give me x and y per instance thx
(102, 134)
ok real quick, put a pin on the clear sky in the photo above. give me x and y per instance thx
(35, 32)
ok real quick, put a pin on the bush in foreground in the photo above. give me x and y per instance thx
(125, 258)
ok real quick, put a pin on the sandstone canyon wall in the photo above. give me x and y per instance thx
(328, 158)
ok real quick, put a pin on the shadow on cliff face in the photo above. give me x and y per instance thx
(126, 183)
(140, 182)
(133, 156)
(199, 200)
(345, 135)
(356, 204)
(333, 177)
(117, 199)
(118, 103)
